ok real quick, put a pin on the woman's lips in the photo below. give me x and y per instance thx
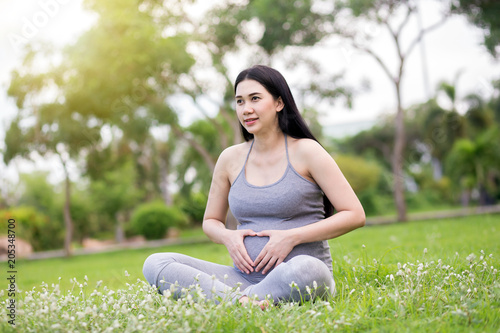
(250, 121)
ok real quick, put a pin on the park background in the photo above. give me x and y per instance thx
(113, 115)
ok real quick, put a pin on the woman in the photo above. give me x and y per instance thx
(280, 185)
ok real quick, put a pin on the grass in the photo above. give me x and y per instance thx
(439, 275)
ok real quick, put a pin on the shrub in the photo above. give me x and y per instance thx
(194, 206)
(360, 173)
(153, 219)
(42, 232)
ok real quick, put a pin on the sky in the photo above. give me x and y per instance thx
(454, 47)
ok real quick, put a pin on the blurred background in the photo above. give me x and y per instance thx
(113, 113)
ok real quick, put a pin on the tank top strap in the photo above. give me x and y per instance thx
(248, 154)
(286, 148)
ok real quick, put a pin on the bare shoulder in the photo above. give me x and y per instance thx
(305, 154)
(307, 149)
(231, 160)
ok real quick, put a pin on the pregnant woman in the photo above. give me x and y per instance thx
(281, 185)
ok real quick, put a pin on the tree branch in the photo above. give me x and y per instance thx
(199, 148)
(405, 21)
(423, 32)
(377, 58)
(222, 134)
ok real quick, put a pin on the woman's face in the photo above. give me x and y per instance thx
(256, 108)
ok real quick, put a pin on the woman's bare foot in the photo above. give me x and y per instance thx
(244, 300)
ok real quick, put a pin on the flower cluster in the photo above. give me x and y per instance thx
(465, 290)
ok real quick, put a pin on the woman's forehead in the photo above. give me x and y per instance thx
(248, 87)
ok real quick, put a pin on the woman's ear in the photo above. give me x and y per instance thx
(279, 104)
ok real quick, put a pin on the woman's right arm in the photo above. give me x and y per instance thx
(216, 212)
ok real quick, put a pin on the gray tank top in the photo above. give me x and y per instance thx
(291, 202)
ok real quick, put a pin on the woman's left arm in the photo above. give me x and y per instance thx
(349, 211)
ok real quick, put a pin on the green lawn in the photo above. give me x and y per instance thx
(417, 276)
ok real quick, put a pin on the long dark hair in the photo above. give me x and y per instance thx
(289, 119)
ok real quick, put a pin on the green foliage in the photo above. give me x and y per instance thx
(485, 14)
(287, 23)
(194, 206)
(477, 159)
(33, 226)
(115, 190)
(38, 192)
(152, 220)
(204, 132)
(360, 173)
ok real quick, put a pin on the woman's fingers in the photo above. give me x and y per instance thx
(245, 263)
(269, 265)
(239, 253)
(266, 260)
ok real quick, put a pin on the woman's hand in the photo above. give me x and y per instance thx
(234, 244)
(280, 244)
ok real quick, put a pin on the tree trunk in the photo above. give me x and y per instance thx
(437, 168)
(397, 160)
(68, 221)
(165, 192)
(120, 230)
(465, 198)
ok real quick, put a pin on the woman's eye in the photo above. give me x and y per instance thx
(254, 98)
(239, 101)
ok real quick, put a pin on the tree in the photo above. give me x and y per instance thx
(115, 193)
(350, 19)
(104, 80)
(440, 127)
(56, 130)
(475, 163)
(485, 14)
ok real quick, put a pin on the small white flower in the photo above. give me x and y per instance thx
(127, 274)
(471, 257)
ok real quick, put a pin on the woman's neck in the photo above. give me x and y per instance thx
(269, 141)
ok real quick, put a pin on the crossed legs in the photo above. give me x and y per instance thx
(299, 279)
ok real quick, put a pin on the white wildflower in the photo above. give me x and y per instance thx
(471, 257)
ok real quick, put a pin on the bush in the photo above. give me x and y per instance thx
(153, 219)
(42, 232)
(194, 206)
(359, 172)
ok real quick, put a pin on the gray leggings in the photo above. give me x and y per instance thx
(299, 279)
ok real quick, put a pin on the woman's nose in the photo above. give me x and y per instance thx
(247, 109)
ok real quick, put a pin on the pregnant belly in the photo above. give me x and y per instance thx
(254, 245)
